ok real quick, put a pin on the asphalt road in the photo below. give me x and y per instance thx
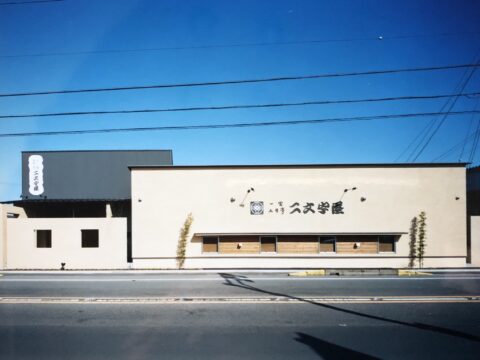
(438, 328)
(231, 285)
(240, 331)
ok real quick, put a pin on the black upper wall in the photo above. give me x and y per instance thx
(473, 191)
(86, 175)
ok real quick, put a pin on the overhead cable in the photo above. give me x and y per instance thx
(230, 107)
(468, 131)
(475, 142)
(237, 45)
(457, 146)
(28, 2)
(243, 81)
(454, 101)
(235, 125)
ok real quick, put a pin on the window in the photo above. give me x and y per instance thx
(327, 244)
(90, 238)
(386, 243)
(210, 244)
(268, 244)
(44, 238)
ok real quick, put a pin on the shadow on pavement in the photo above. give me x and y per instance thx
(329, 351)
(242, 281)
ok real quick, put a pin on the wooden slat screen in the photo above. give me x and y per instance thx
(230, 244)
(347, 244)
(268, 244)
(298, 244)
(210, 244)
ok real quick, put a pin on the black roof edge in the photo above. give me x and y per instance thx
(8, 201)
(31, 201)
(287, 166)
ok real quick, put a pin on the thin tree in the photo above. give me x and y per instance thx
(413, 242)
(422, 236)
(182, 241)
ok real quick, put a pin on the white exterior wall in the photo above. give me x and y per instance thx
(475, 240)
(22, 252)
(162, 199)
(4, 211)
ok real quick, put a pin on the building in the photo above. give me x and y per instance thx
(93, 213)
(298, 215)
(75, 209)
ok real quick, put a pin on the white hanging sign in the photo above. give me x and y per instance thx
(35, 174)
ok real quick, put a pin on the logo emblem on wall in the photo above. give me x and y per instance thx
(256, 208)
(35, 175)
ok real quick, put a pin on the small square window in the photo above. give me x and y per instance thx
(268, 244)
(210, 244)
(386, 243)
(90, 238)
(327, 244)
(44, 238)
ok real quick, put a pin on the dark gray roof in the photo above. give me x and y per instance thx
(87, 175)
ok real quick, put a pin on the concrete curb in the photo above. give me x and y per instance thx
(308, 273)
(347, 272)
(413, 273)
(360, 272)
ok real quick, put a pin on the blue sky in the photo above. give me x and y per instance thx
(88, 25)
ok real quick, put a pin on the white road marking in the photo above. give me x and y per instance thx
(224, 300)
(235, 280)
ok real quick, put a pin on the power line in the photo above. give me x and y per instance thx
(476, 139)
(432, 123)
(239, 45)
(468, 131)
(236, 125)
(244, 81)
(446, 115)
(422, 135)
(466, 138)
(424, 130)
(475, 143)
(428, 129)
(29, 2)
(457, 145)
(230, 107)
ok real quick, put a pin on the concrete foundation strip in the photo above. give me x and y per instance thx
(237, 300)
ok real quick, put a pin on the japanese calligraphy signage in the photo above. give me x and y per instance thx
(298, 208)
(35, 174)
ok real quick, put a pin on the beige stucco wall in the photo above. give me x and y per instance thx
(66, 247)
(475, 240)
(162, 198)
(6, 209)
